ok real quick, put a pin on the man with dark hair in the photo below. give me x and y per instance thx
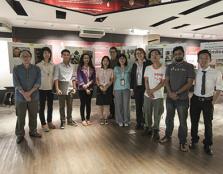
(179, 79)
(64, 73)
(208, 85)
(113, 51)
(27, 80)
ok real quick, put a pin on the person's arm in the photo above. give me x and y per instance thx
(219, 87)
(186, 87)
(132, 76)
(16, 81)
(79, 77)
(37, 82)
(190, 79)
(56, 80)
(160, 85)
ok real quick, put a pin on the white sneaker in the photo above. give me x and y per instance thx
(120, 124)
(126, 124)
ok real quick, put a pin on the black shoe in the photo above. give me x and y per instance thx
(111, 116)
(35, 135)
(147, 132)
(156, 135)
(184, 147)
(62, 125)
(138, 127)
(19, 139)
(72, 123)
(165, 139)
(193, 145)
(208, 150)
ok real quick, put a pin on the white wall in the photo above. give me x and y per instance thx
(5, 76)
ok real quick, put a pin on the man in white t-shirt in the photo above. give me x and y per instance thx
(153, 100)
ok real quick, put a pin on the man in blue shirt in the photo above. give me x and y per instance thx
(26, 79)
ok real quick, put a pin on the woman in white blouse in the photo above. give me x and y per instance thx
(104, 80)
(45, 90)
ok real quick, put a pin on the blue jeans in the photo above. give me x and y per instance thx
(182, 109)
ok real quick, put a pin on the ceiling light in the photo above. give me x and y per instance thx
(138, 32)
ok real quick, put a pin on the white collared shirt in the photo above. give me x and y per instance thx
(64, 72)
(139, 73)
(47, 70)
(213, 82)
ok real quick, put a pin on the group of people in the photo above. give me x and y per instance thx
(116, 81)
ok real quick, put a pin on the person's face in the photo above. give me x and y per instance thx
(178, 55)
(46, 56)
(204, 60)
(113, 53)
(122, 60)
(16, 52)
(155, 57)
(140, 55)
(105, 62)
(66, 56)
(26, 57)
(86, 59)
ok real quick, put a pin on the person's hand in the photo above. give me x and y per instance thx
(88, 91)
(59, 92)
(132, 93)
(85, 86)
(73, 91)
(27, 96)
(150, 93)
(173, 95)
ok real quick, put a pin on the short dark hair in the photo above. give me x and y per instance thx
(26, 51)
(141, 50)
(126, 60)
(203, 52)
(48, 50)
(180, 48)
(105, 57)
(150, 53)
(114, 48)
(65, 50)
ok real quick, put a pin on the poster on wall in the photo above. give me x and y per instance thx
(216, 49)
(129, 52)
(15, 49)
(76, 53)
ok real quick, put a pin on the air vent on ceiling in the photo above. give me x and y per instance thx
(101, 19)
(91, 33)
(209, 26)
(214, 15)
(181, 26)
(17, 7)
(196, 8)
(60, 14)
(164, 21)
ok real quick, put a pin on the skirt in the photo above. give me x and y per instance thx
(104, 98)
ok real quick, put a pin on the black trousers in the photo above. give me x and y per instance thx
(198, 105)
(45, 95)
(85, 103)
(139, 100)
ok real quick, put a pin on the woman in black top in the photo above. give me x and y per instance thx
(138, 85)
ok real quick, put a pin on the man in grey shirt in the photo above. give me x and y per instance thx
(179, 79)
(26, 79)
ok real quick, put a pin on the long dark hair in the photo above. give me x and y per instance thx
(90, 64)
(105, 57)
(48, 50)
(126, 60)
